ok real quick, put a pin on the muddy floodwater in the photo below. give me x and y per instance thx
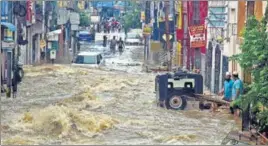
(67, 105)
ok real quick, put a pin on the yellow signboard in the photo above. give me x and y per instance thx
(81, 5)
(179, 20)
(42, 44)
(143, 16)
(155, 46)
(62, 4)
(179, 55)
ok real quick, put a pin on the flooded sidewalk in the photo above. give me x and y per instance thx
(67, 105)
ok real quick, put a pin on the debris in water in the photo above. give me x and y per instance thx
(27, 118)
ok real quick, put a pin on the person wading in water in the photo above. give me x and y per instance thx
(104, 41)
(113, 45)
(120, 46)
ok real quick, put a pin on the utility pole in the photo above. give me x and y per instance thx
(1, 50)
(44, 27)
(167, 36)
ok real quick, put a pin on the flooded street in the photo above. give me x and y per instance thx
(116, 105)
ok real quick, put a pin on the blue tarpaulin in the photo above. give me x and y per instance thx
(105, 4)
(8, 25)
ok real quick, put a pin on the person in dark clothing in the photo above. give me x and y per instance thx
(104, 41)
(16, 79)
(120, 46)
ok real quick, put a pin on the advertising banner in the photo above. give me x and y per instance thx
(197, 36)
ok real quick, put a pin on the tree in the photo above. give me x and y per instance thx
(84, 19)
(131, 18)
(254, 58)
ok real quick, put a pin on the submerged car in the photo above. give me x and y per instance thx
(133, 39)
(89, 59)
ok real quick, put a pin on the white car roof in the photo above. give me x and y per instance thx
(89, 53)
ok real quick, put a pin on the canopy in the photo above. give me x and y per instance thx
(8, 25)
(105, 4)
(55, 32)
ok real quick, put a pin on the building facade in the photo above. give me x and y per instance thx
(239, 12)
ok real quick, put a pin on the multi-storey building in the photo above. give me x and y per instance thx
(239, 11)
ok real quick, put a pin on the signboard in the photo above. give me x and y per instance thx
(81, 4)
(156, 46)
(74, 27)
(74, 18)
(165, 37)
(62, 4)
(179, 53)
(30, 15)
(163, 32)
(8, 45)
(197, 36)
(53, 54)
(94, 19)
(142, 16)
(63, 16)
(42, 44)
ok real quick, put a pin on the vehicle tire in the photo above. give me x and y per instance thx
(176, 102)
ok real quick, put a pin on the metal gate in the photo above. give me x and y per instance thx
(225, 67)
(219, 77)
(217, 68)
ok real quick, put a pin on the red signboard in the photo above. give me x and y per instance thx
(197, 36)
(29, 4)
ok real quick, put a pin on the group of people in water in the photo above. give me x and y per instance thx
(113, 43)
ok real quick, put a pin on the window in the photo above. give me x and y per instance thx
(196, 16)
(250, 8)
(217, 17)
(85, 59)
(215, 23)
(217, 10)
(181, 83)
(133, 36)
(89, 59)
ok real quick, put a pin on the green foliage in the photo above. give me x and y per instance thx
(254, 58)
(84, 19)
(131, 18)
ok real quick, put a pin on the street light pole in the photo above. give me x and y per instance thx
(167, 36)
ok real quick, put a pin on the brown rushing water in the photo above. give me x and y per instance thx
(65, 105)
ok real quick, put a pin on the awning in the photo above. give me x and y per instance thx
(105, 4)
(55, 32)
(53, 35)
(8, 25)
